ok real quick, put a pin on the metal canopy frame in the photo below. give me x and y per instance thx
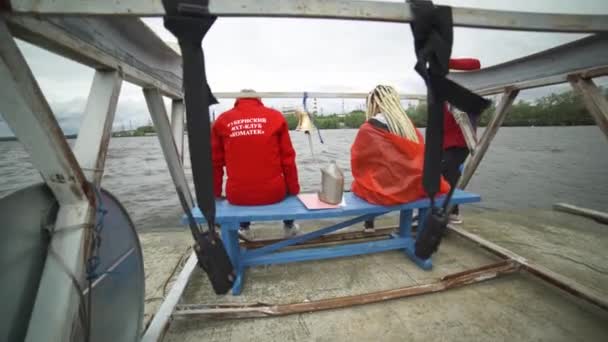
(318, 95)
(587, 58)
(28, 114)
(108, 36)
(327, 9)
(123, 44)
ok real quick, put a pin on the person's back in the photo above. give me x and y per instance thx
(252, 142)
(455, 149)
(387, 156)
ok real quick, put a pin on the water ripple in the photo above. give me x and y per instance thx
(524, 167)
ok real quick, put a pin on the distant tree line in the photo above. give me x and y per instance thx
(138, 132)
(353, 119)
(564, 109)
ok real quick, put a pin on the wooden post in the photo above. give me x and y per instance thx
(594, 100)
(597, 215)
(259, 310)
(473, 161)
(96, 128)
(569, 285)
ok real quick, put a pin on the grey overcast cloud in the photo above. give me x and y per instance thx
(306, 55)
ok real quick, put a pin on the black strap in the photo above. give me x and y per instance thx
(432, 28)
(194, 228)
(189, 21)
(433, 38)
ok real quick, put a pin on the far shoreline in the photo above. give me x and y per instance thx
(73, 136)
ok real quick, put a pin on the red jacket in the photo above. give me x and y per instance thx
(452, 135)
(252, 142)
(387, 169)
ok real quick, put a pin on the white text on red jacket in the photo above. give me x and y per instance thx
(247, 127)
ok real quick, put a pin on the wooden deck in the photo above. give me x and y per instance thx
(514, 307)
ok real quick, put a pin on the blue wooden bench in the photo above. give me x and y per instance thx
(229, 216)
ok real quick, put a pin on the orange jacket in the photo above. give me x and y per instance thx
(252, 142)
(387, 169)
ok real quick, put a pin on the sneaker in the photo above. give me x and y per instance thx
(247, 233)
(368, 226)
(291, 231)
(455, 219)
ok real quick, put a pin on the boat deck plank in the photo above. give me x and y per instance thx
(514, 307)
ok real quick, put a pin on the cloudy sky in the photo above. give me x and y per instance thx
(306, 55)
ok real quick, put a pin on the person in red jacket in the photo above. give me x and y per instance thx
(455, 149)
(252, 142)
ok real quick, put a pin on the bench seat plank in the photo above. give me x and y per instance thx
(292, 209)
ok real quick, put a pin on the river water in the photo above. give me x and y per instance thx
(524, 167)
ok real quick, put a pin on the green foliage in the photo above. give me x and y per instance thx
(333, 121)
(292, 121)
(141, 131)
(417, 114)
(564, 109)
(354, 119)
(487, 115)
(327, 122)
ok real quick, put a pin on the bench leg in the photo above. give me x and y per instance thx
(237, 287)
(230, 238)
(405, 230)
(424, 264)
(405, 224)
(422, 218)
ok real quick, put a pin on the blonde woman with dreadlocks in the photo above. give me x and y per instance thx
(387, 155)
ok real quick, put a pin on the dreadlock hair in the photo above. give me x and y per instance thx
(385, 99)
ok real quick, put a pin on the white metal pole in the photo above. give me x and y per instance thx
(314, 95)
(96, 128)
(329, 9)
(157, 327)
(177, 124)
(462, 119)
(156, 106)
(473, 161)
(27, 113)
